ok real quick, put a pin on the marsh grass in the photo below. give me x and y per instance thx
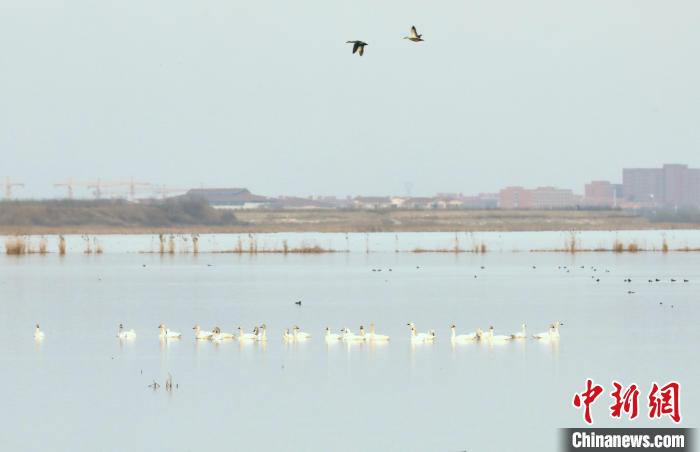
(15, 246)
(43, 245)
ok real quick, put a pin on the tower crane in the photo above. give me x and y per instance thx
(8, 187)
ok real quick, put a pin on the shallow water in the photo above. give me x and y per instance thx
(81, 389)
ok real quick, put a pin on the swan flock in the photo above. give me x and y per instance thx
(295, 334)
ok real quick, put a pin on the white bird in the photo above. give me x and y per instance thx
(218, 335)
(522, 334)
(414, 36)
(348, 336)
(358, 45)
(331, 337)
(261, 333)
(421, 337)
(38, 334)
(287, 336)
(246, 336)
(165, 333)
(300, 335)
(469, 337)
(201, 334)
(125, 334)
(497, 337)
(551, 334)
(374, 337)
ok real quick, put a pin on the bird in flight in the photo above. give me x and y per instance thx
(414, 36)
(358, 45)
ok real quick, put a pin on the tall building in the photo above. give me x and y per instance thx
(672, 185)
(600, 193)
(514, 198)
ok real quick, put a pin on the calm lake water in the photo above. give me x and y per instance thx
(82, 390)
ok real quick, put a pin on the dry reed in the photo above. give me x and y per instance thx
(42, 245)
(61, 245)
(15, 246)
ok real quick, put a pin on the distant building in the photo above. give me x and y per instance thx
(515, 198)
(538, 198)
(372, 202)
(230, 198)
(672, 185)
(600, 193)
(422, 203)
(554, 198)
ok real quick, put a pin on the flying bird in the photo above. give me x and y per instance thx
(414, 36)
(358, 45)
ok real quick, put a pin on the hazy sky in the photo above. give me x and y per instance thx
(267, 94)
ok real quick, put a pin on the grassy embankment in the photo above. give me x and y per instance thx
(188, 217)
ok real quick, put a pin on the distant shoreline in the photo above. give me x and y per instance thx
(379, 221)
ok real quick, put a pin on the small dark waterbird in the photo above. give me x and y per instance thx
(358, 46)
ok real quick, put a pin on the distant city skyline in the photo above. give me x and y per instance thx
(270, 96)
(669, 185)
(119, 187)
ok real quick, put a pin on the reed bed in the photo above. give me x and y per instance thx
(43, 245)
(15, 246)
(171, 244)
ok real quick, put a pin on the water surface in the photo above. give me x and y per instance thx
(83, 390)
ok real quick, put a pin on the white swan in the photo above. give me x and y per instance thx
(348, 336)
(125, 334)
(287, 336)
(551, 334)
(331, 337)
(374, 337)
(497, 337)
(300, 335)
(522, 334)
(201, 334)
(469, 337)
(38, 334)
(421, 337)
(261, 333)
(218, 335)
(246, 336)
(165, 333)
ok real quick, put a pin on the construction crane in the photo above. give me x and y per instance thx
(163, 191)
(99, 186)
(8, 187)
(133, 186)
(69, 185)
